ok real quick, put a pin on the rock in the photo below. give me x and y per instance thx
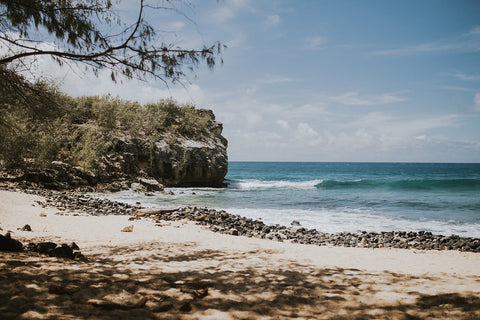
(9, 244)
(43, 215)
(74, 246)
(128, 229)
(79, 256)
(233, 232)
(138, 187)
(63, 251)
(44, 247)
(151, 184)
(295, 223)
(26, 228)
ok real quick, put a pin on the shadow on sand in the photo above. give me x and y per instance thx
(181, 283)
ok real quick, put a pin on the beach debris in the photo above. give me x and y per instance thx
(127, 229)
(122, 300)
(295, 223)
(43, 214)
(25, 228)
(9, 244)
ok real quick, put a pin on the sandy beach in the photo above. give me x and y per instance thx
(178, 270)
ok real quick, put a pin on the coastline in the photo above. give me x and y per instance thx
(167, 262)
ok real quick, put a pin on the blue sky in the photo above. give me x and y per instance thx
(329, 80)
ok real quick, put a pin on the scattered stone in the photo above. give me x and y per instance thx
(9, 244)
(295, 223)
(42, 247)
(74, 246)
(63, 251)
(128, 229)
(233, 232)
(43, 215)
(25, 228)
(222, 221)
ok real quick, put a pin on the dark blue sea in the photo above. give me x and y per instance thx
(332, 197)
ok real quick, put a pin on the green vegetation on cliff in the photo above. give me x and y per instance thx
(81, 131)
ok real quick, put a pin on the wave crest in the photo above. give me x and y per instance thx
(420, 184)
(275, 184)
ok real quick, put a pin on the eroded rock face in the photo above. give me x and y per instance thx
(174, 160)
(149, 163)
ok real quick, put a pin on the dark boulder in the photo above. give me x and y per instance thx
(9, 244)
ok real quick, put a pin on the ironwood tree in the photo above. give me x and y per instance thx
(92, 33)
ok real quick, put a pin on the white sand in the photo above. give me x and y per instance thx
(247, 278)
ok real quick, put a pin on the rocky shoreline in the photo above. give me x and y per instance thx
(224, 222)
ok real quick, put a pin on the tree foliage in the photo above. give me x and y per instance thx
(92, 33)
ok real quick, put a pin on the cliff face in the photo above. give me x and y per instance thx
(173, 160)
(107, 144)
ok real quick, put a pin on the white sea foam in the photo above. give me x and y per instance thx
(252, 184)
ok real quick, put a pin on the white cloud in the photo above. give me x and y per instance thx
(467, 42)
(175, 26)
(227, 10)
(272, 20)
(283, 124)
(253, 118)
(316, 42)
(274, 79)
(466, 77)
(355, 99)
(476, 101)
(305, 134)
(237, 41)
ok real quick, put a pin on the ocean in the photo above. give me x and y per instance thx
(442, 198)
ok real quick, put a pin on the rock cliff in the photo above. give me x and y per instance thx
(113, 145)
(173, 160)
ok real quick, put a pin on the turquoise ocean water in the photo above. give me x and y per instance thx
(334, 197)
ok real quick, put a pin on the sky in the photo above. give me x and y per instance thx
(341, 80)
